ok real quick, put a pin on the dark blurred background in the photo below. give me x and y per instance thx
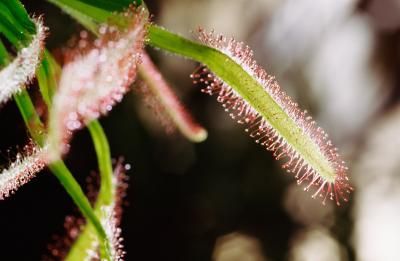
(226, 198)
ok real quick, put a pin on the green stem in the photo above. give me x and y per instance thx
(31, 118)
(161, 38)
(75, 191)
(104, 161)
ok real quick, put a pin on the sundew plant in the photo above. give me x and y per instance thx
(98, 67)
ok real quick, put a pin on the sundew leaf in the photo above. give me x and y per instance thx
(255, 99)
(111, 214)
(96, 77)
(21, 70)
(25, 167)
(16, 26)
(85, 246)
(161, 98)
